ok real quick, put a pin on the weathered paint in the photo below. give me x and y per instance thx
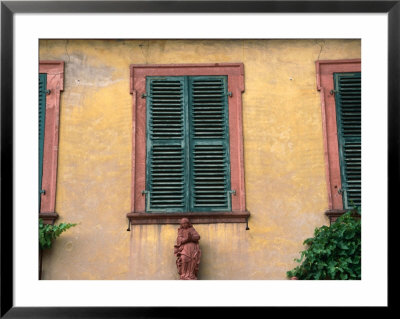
(286, 192)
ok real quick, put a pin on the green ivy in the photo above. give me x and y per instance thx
(334, 252)
(48, 233)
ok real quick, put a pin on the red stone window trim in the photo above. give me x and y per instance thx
(325, 70)
(55, 84)
(138, 74)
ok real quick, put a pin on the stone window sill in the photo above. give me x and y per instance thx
(141, 218)
(48, 218)
(334, 214)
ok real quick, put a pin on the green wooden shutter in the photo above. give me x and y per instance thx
(348, 115)
(42, 117)
(188, 167)
(209, 144)
(166, 164)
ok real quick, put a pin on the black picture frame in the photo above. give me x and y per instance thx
(9, 8)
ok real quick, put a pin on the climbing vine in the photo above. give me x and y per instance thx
(334, 252)
(48, 233)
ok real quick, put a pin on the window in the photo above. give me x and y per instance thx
(51, 77)
(187, 144)
(339, 83)
(187, 156)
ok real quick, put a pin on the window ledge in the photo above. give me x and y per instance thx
(140, 218)
(48, 218)
(334, 214)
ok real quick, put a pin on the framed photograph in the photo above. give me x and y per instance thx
(196, 140)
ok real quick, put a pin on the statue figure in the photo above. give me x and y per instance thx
(187, 251)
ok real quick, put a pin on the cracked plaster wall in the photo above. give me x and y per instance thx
(283, 148)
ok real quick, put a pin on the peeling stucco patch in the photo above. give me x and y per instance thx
(79, 72)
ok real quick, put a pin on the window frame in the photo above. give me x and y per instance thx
(325, 85)
(235, 75)
(54, 84)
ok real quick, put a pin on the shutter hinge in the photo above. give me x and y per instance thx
(144, 95)
(343, 192)
(48, 92)
(42, 191)
(229, 94)
(229, 197)
(147, 199)
(333, 92)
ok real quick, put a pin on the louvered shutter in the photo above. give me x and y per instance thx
(42, 117)
(209, 144)
(166, 163)
(348, 115)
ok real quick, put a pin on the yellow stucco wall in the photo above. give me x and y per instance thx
(286, 191)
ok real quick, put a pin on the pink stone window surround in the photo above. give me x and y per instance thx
(325, 70)
(55, 84)
(138, 74)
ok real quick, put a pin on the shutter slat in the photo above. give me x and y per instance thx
(348, 112)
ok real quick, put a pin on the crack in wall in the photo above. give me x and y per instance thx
(321, 44)
(66, 50)
(145, 55)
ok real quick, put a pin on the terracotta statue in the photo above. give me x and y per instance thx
(187, 251)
